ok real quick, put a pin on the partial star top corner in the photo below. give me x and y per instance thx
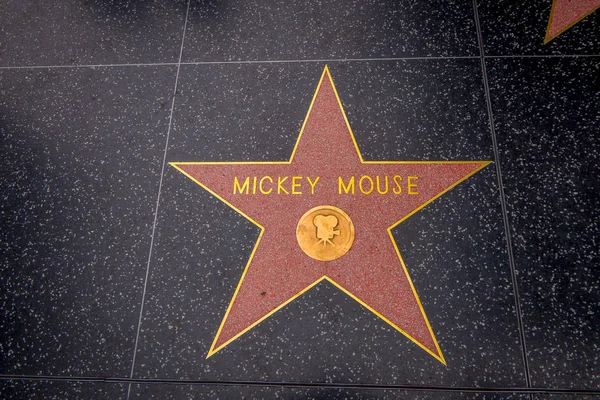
(566, 13)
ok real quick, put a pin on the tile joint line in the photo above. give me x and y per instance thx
(409, 58)
(511, 259)
(164, 162)
(288, 384)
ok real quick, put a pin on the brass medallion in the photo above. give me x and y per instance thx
(325, 233)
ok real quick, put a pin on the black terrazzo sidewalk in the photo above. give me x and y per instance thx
(115, 270)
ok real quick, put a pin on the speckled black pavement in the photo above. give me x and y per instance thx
(116, 270)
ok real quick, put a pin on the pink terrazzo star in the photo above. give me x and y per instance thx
(372, 271)
(566, 13)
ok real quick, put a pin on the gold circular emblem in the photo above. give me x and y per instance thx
(325, 233)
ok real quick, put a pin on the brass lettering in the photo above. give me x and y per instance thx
(360, 184)
(296, 184)
(379, 187)
(279, 187)
(245, 186)
(260, 184)
(312, 184)
(412, 185)
(344, 187)
(366, 184)
(398, 188)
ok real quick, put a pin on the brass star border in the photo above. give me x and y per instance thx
(326, 104)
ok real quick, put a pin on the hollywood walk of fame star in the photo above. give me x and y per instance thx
(327, 169)
(566, 13)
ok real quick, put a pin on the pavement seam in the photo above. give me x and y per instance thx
(162, 172)
(325, 60)
(505, 219)
(305, 385)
